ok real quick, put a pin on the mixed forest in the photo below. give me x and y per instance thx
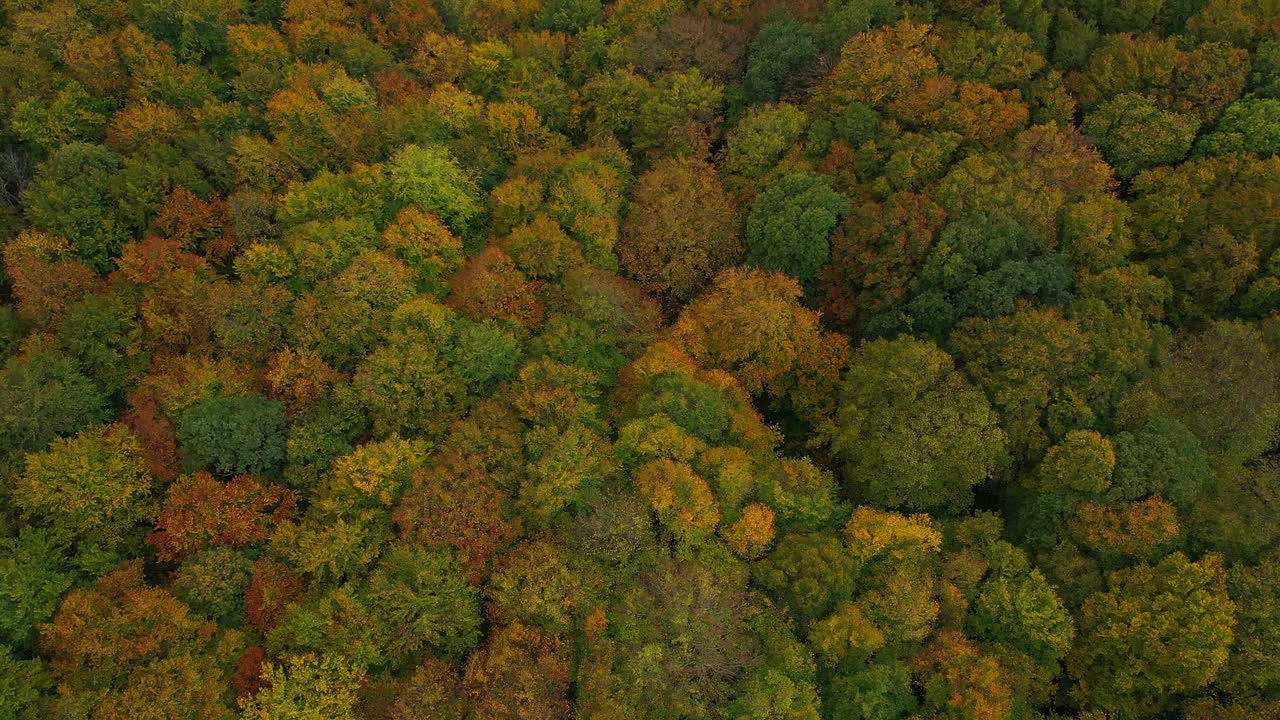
(639, 360)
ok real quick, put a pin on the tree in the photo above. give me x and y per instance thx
(1082, 463)
(492, 287)
(1134, 668)
(1019, 361)
(878, 65)
(272, 588)
(1142, 530)
(22, 686)
(809, 574)
(542, 249)
(484, 354)
(72, 196)
(521, 674)
(1219, 383)
(982, 113)
(878, 691)
(682, 500)
(68, 116)
(1024, 612)
(762, 137)
(1190, 222)
(306, 687)
(1253, 667)
(749, 324)
(213, 583)
(876, 251)
(201, 512)
(680, 231)
(93, 488)
(427, 246)
(1125, 63)
(679, 114)
(780, 56)
(234, 435)
(407, 387)
(1095, 232)
(46, 396)
(999, 57)
(912, 431)
(684, 638)
(347, 315)
(752, 533)
(46, 275)
(430, 179)
(846, 637)
(124, 649)
(1247, 126)
(1135, 135)
(422, 600)
(539, 584)
(1163, 458)
(434, 692)
(34, 573)
(878, 535)
(789, 225)
(961, 681)
(455, 502)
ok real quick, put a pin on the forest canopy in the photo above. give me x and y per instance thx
(639, 359)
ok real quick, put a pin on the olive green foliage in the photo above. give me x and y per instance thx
(639, 360)
(913, 432)
(234, 435)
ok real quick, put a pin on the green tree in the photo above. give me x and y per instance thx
(34, 573)
(782, 52)
(912, 431)
(1163, 458)
(1250, 125)
(809, 574)
(106, 340)
(1254, 665)
(1024, 612)
(484, 354)
(306, 687)
(1157, 632)
(1081, 463)
(1221, 384)
(982, 265)
(93, 488)
(45, 395)
(762, 137)
(683, 640)
(73, 195)
(877, 691)
(789, 225)
(421, 598)
(23, 683)
(213, 582)
(407, 387)
(1134, 134)
(430, 179)
(234, 435)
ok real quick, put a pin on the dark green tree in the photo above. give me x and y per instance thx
(234, 435)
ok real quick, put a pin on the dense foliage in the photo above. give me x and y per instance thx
(639, 359)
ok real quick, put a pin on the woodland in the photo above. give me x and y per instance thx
(639, 360)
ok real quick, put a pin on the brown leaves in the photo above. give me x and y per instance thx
(201, 512)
